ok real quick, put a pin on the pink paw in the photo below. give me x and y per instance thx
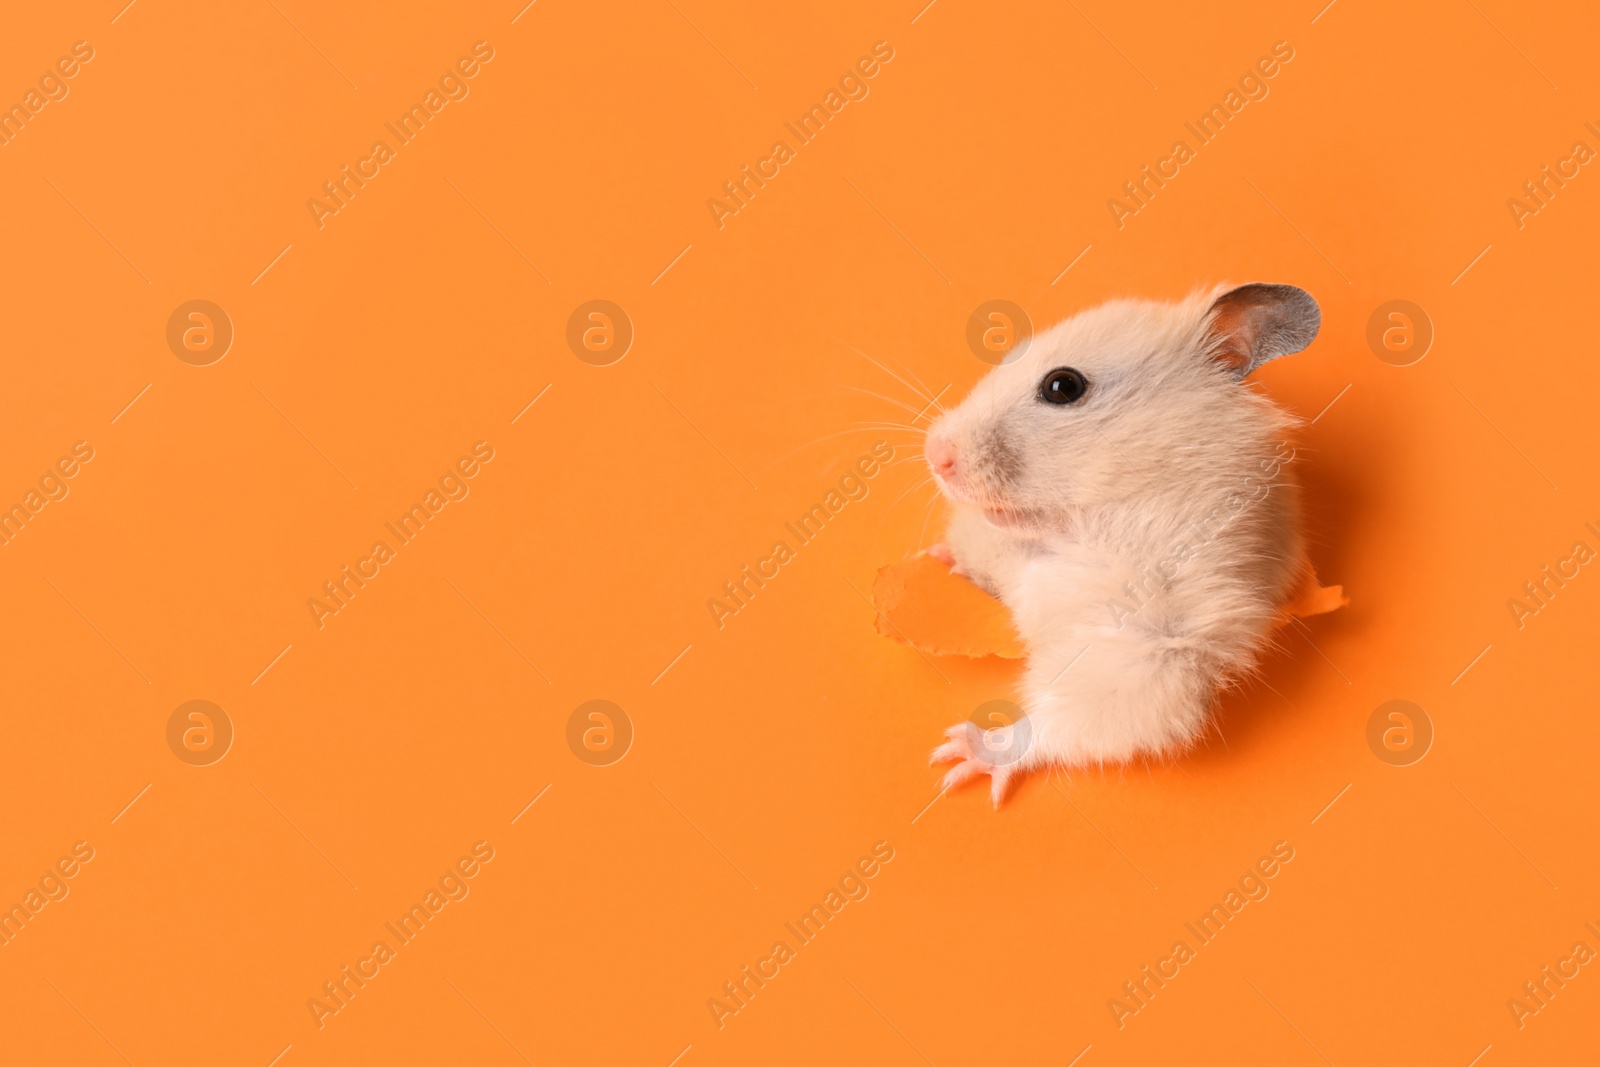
(974, 751)
(942, 553)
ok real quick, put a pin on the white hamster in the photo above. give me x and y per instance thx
(1121, 490)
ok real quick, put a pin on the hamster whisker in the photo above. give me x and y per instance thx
(829, 436)
(933, 397)
(915, 412)
(934, 401)
(918, 485)
(922, 538)
(891, 426)
(915, 457)
(921, 393)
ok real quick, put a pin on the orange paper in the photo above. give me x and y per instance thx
(923, 603)
(284, 646)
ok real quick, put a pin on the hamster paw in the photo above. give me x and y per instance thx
(975, 751)
(942, 553)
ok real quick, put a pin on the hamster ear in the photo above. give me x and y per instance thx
(1254, 323)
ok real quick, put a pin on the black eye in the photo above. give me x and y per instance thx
(1063, 386)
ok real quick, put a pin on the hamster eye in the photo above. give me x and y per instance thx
(1064, 385)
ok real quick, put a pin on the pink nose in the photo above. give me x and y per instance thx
(941, 457)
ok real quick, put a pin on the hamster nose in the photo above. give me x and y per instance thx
(941, 457)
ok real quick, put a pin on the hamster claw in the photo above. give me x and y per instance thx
(942, 553)
(954, 750)
(966, 750)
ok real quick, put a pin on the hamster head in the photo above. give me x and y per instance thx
(1132, 399)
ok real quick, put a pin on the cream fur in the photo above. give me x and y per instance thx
(1056, 507)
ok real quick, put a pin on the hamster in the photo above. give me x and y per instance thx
(1121, 490)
